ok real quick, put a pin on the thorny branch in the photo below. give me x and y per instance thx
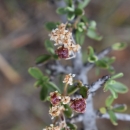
(81, 70)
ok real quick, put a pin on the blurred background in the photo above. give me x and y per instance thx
(22, 36)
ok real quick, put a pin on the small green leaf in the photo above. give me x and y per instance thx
(119, 75)
(119, 46)
(72, 126)
(45, 79)
(52, 85)
(103, 110)
(83, 4)
(69, 2)
(49, 46)
(35, 72)
(61, 10)
(90, 51)
(55, 56)
(72, 90)
(80, 37)
(109, 101)
(109, 60)
(38, 83)
(92, 25)
(91, 33)
(115, 95)
(68, 111)
(91, 56)
(111, 69)
(70, 16)
(113, 117)
(43, 58)
(84, 19)
(119, 87)
(102, 64)
(84, 91)
(44, 92)
(81, 27)
(92, 59)
(69, 9)
(78, 11)
(119, 108)
(50, 26)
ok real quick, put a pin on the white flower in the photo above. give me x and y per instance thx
(65, 99)
(69, 79)
(56, 110)
(63, 37)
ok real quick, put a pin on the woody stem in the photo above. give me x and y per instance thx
(65, 89)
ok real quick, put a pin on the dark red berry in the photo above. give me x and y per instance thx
(55, 98)
(78, 105)
(62, 52)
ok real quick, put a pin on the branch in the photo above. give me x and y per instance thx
(96, 85)
(58, 68)
(119, 116)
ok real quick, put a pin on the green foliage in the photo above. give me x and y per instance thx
(84, 91)
(119, 108)
(43, 92)
(72, 89)
(91, 32)
(105, 63)
(115, 87)
(70, 16)
(52, 85)
(83, 4)
(43, 82)
(43, 59)
(103, 110)
(80, 37)
(119, 75)
(68, 111)
(91, 56)
(109, 101)
(35, 73)
(119, 46)
(49, 46)
(51, 25)
(81, 27)
(119, 87)
(78, 11)
(72, 126)
(102, 64)
(112, 117)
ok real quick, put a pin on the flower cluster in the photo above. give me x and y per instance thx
(63, 38)
(69, 79)
(57, 100)
(57, 105)
(78, 105)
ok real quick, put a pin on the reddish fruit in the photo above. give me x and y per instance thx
(78, 105)
(62, 52)
(55, 98)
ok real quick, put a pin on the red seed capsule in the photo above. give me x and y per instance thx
(78, 105)
(62, 52)
(55, 98)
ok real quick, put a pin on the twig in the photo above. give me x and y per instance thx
(119, 116)
(96, 85)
